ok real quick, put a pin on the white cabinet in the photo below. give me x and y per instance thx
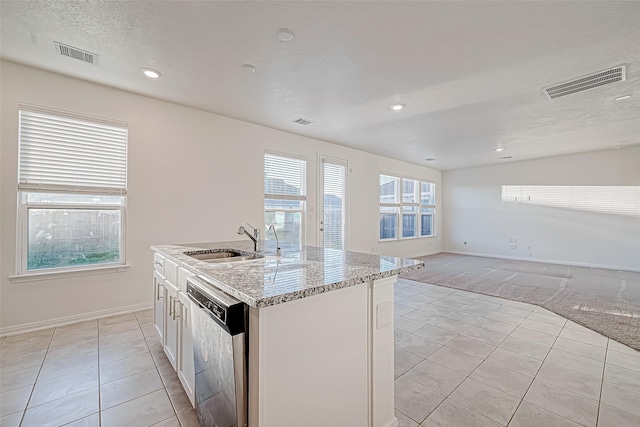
(159, 313)
(172, 319)
(186, 370)
(171, 324)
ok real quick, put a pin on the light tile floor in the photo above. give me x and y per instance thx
(461, 359)
(106, 372)
(465, 359)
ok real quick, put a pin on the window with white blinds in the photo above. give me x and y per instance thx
(284, 178)
(72, 184)
(334, 206)
(66, 154)
(407, 207)
(285, 194)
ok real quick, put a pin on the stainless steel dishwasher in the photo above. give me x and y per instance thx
(220, 355)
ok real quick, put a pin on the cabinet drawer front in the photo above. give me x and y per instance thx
(158, 263)
(171, 271)
(183, 275)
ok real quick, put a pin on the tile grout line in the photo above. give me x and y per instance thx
(161, 380)
(99, 380)
(534, 379)
(467, 376)
(557, 336)
(604, 367)
(35, 381)
(48, 348)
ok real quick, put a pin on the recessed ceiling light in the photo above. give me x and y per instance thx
(151, 73)
(397, 107)
(429, 159)
(504, 158)
(499, 149)
(284, 34)
(620, 98)
(617, 147)
(248, 68)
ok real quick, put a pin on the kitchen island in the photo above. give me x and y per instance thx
(320, 329)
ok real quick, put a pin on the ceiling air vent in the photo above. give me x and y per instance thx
(302, 121)
(75, 53)
(601, 78)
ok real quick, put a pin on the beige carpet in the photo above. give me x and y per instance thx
(607, 301)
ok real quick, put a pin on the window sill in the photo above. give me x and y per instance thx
(33, 277)
(403, 239)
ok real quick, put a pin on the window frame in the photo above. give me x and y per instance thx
(401, 204)
(271, 196)
(24, 206)
(23, 226)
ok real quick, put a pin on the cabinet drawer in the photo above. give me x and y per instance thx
(158, 263)
(171, 271)
(183, 275)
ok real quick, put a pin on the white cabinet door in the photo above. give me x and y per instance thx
(172, 307)
(158, 304)
(186, 370)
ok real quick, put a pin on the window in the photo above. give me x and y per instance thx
(285, 197)
(407, 208)
(72, 181)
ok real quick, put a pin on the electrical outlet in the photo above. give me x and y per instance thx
(513, 246)
(529, 248)
(384, 314)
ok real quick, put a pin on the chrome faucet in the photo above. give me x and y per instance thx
(272, 227)
(257, 242)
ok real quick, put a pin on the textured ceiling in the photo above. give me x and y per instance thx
(470, 73)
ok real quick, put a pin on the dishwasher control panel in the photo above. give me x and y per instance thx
(213, 307)
(225, 310)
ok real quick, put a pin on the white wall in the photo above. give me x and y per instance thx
(474, 212)
(193, 176)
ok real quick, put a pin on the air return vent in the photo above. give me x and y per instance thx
(75, 53)
(601, 78)
(302, 121)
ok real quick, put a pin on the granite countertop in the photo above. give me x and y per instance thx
(298, 273)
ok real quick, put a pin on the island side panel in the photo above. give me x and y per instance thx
(382, 319)
(309, 360)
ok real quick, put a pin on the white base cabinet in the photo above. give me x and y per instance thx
(186, 369)
(159, 304)
(172, 319)
(171, 325)
(324, 360)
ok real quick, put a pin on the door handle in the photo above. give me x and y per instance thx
(175, 315)
(322, 229)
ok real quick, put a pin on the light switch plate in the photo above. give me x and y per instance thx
(384, 314)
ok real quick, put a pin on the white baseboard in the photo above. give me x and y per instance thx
(428, 253)
(61, 321)
(393, 423)
(548, 261)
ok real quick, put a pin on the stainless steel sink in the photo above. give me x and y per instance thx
(227, 256)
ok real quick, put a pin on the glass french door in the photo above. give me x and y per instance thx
(332, 203)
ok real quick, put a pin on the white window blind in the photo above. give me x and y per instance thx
(620, 200)
(63, 153)
(284, 178)
(334, 197)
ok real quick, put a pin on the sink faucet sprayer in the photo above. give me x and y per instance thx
(257, 242)
(272, 227)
